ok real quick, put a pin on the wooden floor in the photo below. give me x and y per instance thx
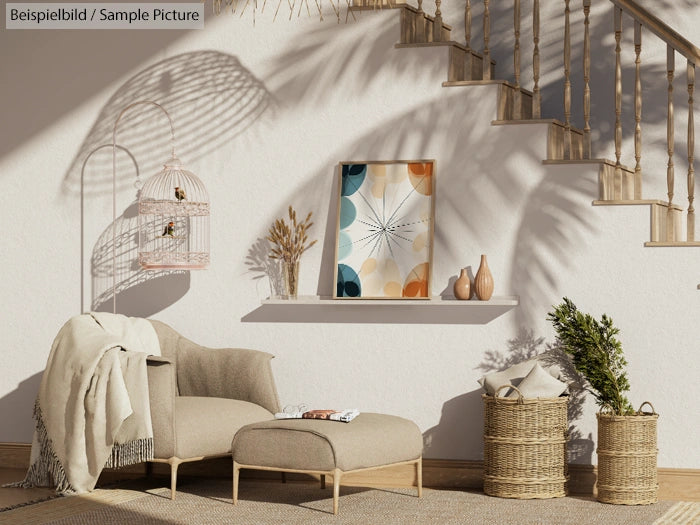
(10, 497)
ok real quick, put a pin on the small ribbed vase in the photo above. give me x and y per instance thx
(463, 286)
(483, 282)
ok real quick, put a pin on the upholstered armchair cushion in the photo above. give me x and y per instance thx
(196, 436)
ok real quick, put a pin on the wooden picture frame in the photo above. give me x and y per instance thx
(384, 229)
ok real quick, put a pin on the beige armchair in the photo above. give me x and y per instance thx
(201, 396)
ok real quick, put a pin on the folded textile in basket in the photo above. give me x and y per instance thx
(344, 416)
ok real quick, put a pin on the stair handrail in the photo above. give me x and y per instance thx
(660, 29)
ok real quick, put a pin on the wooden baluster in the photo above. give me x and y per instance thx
(638, 111)
(487, 36)
(567, 82)
(670, 68)
(618, 105)
(536, 95)
(517, 99)
(437, 23)
(420, 23)
(691, 153)
(468, 24)
(586, 80)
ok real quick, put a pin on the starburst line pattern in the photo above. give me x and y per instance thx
(385, 231)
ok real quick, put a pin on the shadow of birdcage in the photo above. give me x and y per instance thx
(210, 96)
(116, 271)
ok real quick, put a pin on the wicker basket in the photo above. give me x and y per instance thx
(627, 458)
(525, 446)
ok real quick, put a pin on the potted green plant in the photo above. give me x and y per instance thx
(626, 439)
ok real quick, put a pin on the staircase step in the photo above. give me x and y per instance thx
(623, 187)
(677, 244)
(555, 137)
(666, 229)
(463, 62)
(506, 98)
(637, 202)
(378, 4)
(417, 27)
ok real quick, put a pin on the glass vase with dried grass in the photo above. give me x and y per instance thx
(289, 242)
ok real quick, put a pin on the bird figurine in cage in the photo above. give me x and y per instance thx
(180, 194)
(169, 229)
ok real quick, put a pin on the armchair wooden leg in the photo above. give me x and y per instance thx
(336, 489)
(323, 481)
(174, 464)
(419, 476)
(236, 471)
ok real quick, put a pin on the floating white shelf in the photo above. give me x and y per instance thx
(436, 310)
(437, 301)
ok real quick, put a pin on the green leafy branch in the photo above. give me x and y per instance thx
(596, 353)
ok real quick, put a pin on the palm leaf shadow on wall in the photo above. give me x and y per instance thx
(212, 98)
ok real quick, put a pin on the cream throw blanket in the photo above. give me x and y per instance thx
(92, 410)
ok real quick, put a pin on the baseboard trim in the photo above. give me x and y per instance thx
(674, 484)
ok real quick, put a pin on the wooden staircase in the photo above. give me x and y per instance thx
(619, 185)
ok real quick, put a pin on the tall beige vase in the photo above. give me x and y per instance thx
(463, 286)
(483, 282)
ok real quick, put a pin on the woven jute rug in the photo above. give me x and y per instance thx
(208, 501)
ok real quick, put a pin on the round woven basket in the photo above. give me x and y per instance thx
(627, 454)
(525, 446)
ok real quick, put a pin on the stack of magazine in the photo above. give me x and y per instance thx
(333, 415)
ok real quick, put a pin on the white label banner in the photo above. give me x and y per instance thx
(104, 16)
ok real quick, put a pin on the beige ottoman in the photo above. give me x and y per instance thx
(313, 446)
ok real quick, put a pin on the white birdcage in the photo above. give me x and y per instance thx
(174, 220)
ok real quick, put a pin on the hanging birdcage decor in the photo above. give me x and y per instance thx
(174, 220)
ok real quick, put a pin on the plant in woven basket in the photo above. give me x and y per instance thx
(290, 241)
(596, 354)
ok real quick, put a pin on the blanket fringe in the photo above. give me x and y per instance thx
(46, 471)
(136, 451)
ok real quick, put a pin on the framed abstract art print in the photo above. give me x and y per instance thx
(384, 230)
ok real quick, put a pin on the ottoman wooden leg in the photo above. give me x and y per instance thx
(336, 489)
(236, 471)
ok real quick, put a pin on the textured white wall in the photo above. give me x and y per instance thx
(265, 124)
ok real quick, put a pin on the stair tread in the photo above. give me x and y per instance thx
(633, 202)
(433, 44)
(448, 43)
(671, 244)
(589, 161)
(554, 121)
(397, 6)
(456, 83)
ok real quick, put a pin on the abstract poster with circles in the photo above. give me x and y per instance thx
(384, 234)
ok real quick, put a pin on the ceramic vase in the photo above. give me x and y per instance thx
(483, 282)
(463, 286)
